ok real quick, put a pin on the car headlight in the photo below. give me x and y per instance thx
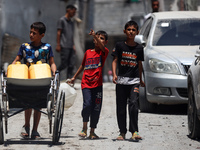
(160, 66)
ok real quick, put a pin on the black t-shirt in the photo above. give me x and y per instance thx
(128, 57)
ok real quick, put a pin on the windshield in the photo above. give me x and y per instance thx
(177, 32)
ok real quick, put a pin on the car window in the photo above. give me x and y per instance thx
(177, 32)
(146, 28)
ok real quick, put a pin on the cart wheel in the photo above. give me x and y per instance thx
(49, 110)
(59, 112)
(50, 126)
(6, 116)
(5, 111)
(1, 127)
(57, 85)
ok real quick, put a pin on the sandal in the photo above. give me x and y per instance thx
(93, 136)
(25, 132)
(121, 137)
(136, 136)
(83, 133)
(35, 135)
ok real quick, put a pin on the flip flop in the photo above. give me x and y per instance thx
(25, 132)
(83, 133)
(35, 135)
(93, 136)
(121, 137)
(136, 136)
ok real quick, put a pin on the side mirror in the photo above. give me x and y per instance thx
(139, 39)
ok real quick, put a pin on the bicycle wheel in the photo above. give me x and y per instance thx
(58, 118)
(1, 127)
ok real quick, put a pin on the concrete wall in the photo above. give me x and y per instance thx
(18, 15)
(112, 15)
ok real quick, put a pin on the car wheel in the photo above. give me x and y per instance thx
(193, 121)
(144, 104)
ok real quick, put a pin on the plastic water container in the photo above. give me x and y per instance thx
(39, 70)
(70, 94)
(17, 70)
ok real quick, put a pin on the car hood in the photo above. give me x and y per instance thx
(183, 54)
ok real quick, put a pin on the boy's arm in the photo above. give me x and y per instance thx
(58, 48)
(18, 58)
(53, 65)
(80, 69)
(140, 73)
(101, 45)
(114, 68)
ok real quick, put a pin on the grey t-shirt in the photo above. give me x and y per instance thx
(67, 27)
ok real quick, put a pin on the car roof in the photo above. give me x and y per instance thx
(176, 14)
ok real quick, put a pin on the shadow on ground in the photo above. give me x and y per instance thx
(171, 109)
(30, 142)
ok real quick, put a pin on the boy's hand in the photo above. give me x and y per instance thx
(115, 79)
(58, 48)
(92, 32)
(70, 81)
(142, 84)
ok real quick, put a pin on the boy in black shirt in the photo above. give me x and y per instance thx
(128, 56)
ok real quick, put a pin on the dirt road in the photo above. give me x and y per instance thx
(164, 130)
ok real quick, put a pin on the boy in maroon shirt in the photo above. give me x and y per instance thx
(92, 81)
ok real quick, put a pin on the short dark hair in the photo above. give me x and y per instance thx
(70, 7)
(101, 32)
(40, 26)
(131, 23)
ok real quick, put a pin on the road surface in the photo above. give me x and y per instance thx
(164, 130)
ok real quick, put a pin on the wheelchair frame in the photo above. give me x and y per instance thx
(54, 101)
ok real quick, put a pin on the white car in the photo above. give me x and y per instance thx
(170, 40)
(194, 98)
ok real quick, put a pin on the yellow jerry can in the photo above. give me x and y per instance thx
(39, 70)
(17, 70)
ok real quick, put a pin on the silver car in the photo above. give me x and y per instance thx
(194, 98)
(170, 40)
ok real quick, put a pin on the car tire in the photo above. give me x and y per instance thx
(193, 120)
(144, 104)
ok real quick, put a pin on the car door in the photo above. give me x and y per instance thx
(145, 30)
(197, 77)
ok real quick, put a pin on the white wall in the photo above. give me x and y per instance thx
(18, 15)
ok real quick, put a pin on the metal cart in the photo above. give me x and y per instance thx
(36, 94)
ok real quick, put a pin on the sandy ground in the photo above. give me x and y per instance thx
(163, 130)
